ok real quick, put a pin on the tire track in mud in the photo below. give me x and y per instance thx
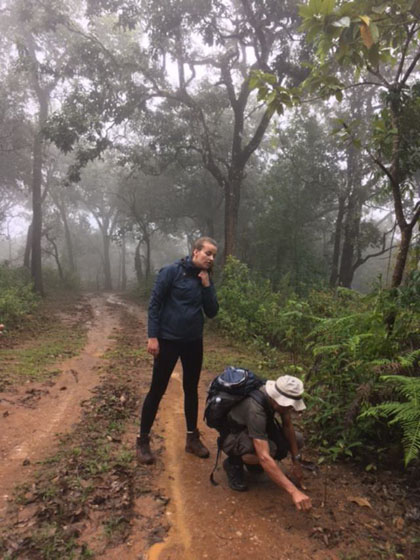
(28, 434)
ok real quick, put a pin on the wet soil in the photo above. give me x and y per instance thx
(350, 516)
(33, 413)
(170, 509)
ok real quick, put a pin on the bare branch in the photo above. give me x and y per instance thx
(404, 52)
(411, 67)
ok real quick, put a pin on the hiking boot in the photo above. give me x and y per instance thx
(143, 452)
(235, 473)
(195, 446)
(254, 469)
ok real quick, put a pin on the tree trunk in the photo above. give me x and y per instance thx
(28, 248)
(402, 254)
(337, 241)
(36, 260)
(148, 257)
(67, 237)
(406, 228)
(351, 235)
(43, 95)
(232, 201)
(107, 261)
(352, 221)
(210, 227)
(137, 264)
(56, 255)
(123, 265)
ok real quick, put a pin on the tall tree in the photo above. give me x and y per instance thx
(199, 57)
(236, 38)
(39, 54)
(97, 191)
(381, 42)
(295, 204)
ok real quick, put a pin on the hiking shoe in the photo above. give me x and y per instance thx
(143, 452)
(195, 446)
(254, 469)
(235, 473)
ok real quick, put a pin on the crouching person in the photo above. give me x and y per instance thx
(257, 440)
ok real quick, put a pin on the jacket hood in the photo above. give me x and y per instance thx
(187, 263)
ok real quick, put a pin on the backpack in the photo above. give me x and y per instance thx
(224, 392)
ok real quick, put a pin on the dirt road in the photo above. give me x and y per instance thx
(350, 517)
(34, 413)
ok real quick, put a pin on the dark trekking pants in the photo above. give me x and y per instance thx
(191, 355)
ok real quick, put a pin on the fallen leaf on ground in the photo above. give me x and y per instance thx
(398, 523)
(362, 502)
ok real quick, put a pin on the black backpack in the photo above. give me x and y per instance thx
(224, 392)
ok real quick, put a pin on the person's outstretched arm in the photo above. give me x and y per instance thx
(301, 500)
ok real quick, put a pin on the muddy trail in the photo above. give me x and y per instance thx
(82, 495)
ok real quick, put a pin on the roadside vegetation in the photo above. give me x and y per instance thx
(37, 329)
(361, 372)
(17, 297)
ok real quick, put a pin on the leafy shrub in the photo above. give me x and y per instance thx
(251, 311)
(347, 339)
(404, 413)
(350, 354)
(53, 282)
(16, 295)
(409, 293)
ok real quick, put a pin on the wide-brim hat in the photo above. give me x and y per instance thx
(286, 391)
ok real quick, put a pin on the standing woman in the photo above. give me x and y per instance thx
(182, 292)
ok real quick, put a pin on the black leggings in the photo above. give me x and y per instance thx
(191, 354)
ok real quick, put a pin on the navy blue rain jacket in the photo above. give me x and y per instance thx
(177, 303)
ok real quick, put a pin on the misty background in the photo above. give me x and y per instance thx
(130, 128)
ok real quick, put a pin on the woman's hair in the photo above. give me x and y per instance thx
(198, 244)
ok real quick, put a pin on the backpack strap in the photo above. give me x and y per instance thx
(262, 399)
(220, 440)
(219, 450)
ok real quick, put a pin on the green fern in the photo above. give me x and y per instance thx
(406, 414)
(410, 360)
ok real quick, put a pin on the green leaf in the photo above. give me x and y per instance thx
(254, 82)
(305, 11)
(343, 22)
(327, 7)
(373, 55)
(379, 9)
(269, 78)
(374, 31)
(271, 97)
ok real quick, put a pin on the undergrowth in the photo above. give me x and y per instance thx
(341, 343)
(17, 297)
(57, 330)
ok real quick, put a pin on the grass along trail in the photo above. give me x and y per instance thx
(28, 431)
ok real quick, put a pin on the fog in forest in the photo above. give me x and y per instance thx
(130, 128)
